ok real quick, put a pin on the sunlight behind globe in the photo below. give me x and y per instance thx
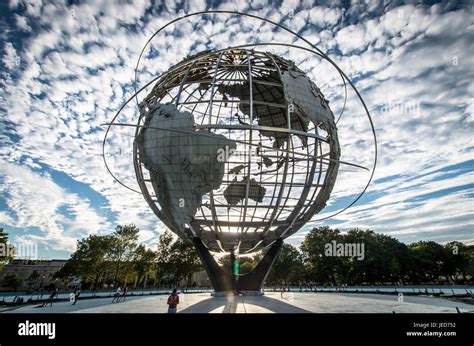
(236, 147)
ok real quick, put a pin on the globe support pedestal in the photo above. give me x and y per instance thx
(220, 279)
(254, 280)
(223, 280)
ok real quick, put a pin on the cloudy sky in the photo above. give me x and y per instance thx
(67, 67)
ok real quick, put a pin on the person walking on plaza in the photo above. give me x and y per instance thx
(51, 298)
(117, 295)
(173, 301)
(124, 294)
(77, 293)
(282, 290)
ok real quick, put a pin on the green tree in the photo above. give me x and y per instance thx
(122, 246)
(428, 261)
(370, 269)
(163, 258)
(176, 260)
(384, 258)
(32, 280)
(469, 253)
(457, 260)
(321, 268)
(11, 281)
(246, 263)
(288, 267)
(143, 264)
(184, 261)
(88, 261)
(398, 261)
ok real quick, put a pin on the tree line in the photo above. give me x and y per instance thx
(386, 260)
(118, 259)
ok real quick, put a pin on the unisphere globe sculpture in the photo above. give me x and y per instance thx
(238, 148)
(235, 150)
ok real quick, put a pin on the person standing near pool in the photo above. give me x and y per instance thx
(173, 301)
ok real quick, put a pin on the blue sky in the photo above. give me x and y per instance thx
(67, 67)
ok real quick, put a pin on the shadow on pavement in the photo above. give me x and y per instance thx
(275, 305)
(230, 305)
(206, 305)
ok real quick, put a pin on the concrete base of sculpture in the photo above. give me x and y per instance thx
(232, 293)
(252, 293)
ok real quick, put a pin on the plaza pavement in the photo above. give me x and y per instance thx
(271, 302)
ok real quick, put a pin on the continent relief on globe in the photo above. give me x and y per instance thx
(183, 161)
(299, 91)
(236, 191)
(308, 104)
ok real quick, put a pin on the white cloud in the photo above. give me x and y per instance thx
(73, 71)
(10, 57)
(35, 200)
(350, 38)
(22, 23)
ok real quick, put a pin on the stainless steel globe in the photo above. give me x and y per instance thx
(237, 147)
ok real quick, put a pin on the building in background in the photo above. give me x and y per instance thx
(31, 274)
